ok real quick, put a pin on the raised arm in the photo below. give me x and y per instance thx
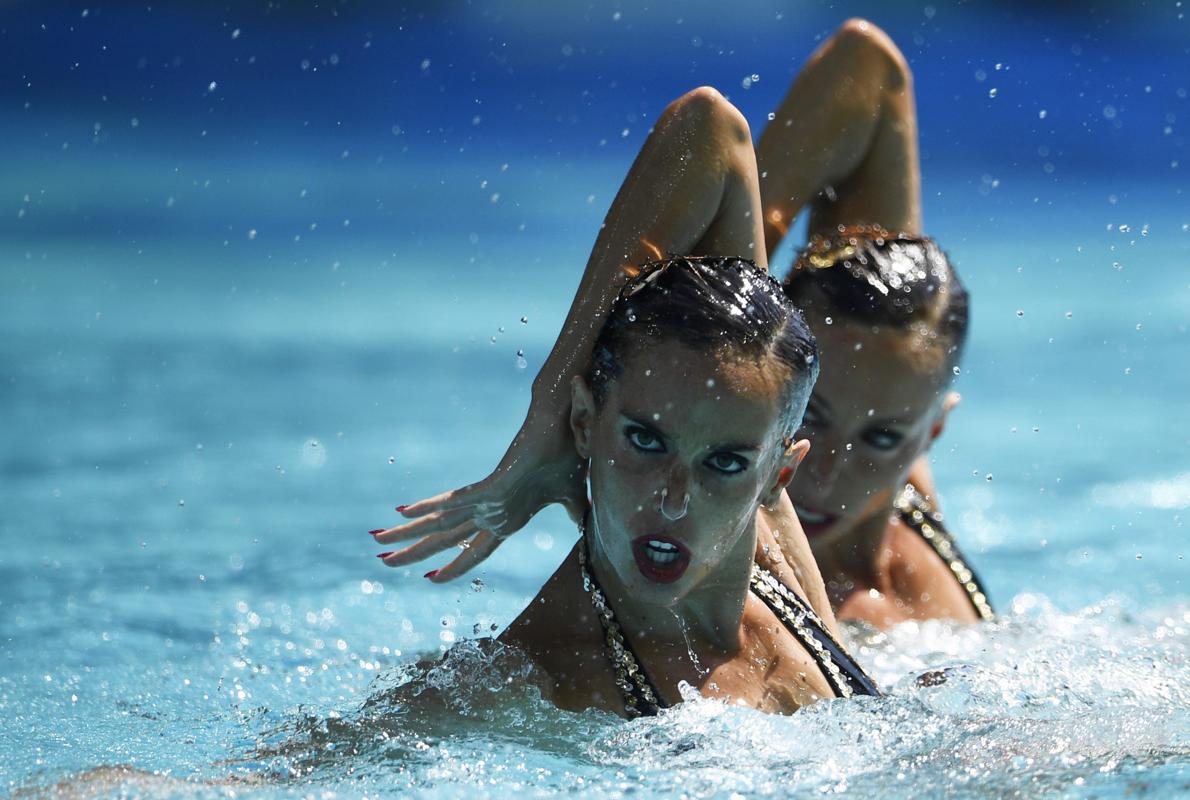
(844, 140)
(692, 190)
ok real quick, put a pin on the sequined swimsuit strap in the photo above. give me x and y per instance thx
(639, 693)
(916, 511)
(842, 672)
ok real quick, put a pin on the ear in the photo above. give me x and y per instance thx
(582, 415)
(949, 402)
(787, 468)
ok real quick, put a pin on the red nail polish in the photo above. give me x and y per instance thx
(401, 509)
(378, 530)
(431, 573)
(384, 555)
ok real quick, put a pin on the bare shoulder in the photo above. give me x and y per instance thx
(918, 579)
(559, 632)
(780, 675)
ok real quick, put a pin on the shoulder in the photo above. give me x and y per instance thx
(790, 677)
(918, 577)
(559, 632)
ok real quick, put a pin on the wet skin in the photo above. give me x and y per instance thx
(676, 424)
(880, 401)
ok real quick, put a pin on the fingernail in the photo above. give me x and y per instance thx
(385, 555)
(378, 530)
(430, 574)
(401, 509)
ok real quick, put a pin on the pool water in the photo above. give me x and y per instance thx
(208, 402)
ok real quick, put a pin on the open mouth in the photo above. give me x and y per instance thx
(815, 522)
(660, 558)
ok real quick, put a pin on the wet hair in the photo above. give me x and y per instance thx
(724, 305)
(907, 283)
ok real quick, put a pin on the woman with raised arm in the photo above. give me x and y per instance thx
(890, 316)
(676, 386)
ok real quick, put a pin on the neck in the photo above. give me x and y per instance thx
(851, 555)
(706, 620)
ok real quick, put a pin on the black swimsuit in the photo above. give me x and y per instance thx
(916, 511)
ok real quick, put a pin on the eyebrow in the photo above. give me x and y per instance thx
(652, 428)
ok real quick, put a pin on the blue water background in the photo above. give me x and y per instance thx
(262, 275)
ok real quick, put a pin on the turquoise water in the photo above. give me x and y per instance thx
(199, 436)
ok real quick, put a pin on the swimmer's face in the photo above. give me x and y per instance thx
(876, 407)
(684, 448)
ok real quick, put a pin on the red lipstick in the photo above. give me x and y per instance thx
(660, 558)
(815, 522)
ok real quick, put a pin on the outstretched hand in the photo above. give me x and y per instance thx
(540, 467)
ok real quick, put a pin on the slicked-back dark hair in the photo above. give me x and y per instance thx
(724, 305)
(870, 275)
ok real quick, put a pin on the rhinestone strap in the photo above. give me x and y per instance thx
(794, 614)
(640, 698)
(919, 514)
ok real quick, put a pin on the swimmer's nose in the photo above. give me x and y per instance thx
(675, 496)
(825, 468)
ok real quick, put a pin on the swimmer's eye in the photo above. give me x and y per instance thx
(643, 439)
(812, 418)
(882, 438)
(727, 463)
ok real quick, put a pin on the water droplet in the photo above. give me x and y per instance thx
(611, 462)
(1138, 556)
(859, 346)
(988, 478)
(181, 503)
(956, 370)
(847, 447)
(1036, 429)
(772, 116)
(1139, 326)
(1069, 314)
(500, 329)
(974, 473)
(992, 92)
(1042, 114)
(521, 363)
(829, 321)
(524, 320)
(632, 316)
(476, 585)
(1127, 370)
(392, 459)
(710, 383)
(1020, 312)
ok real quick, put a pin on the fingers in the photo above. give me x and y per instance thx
(429, 545)
(430, 525)
(482, 546)
(447, 501)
